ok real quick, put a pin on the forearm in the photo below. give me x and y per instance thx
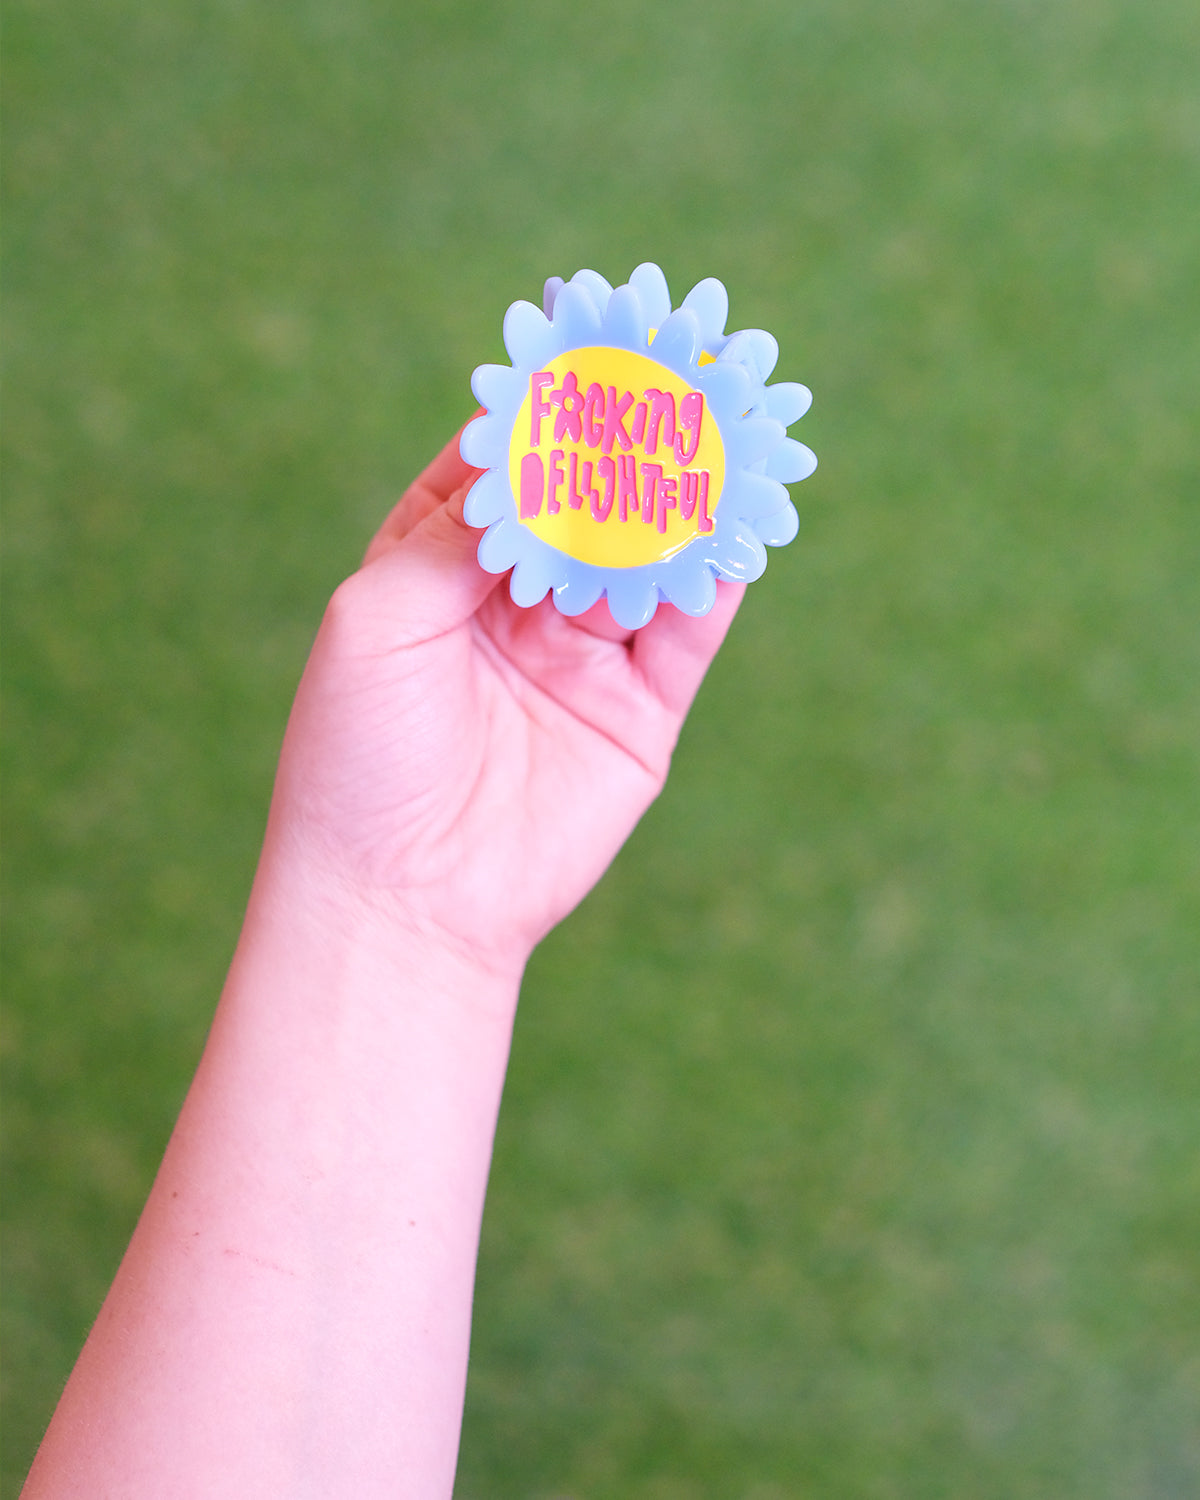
(292, 1316)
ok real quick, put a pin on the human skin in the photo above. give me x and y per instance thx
(292, 1316)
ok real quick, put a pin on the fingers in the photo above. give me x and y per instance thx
(448, 472)
(675, 650)
(430, 582)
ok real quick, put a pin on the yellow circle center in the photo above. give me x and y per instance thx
(614, 459)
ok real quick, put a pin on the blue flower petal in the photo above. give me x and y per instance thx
(501, 545)
(576, 317)
(677, 342)
(779, 528)
(743, 557)
(755, 349)
(534, 575)
(751, 440)
(787, 402)
(791, 462)
(650, 284)
(580, 591)
(755, 495)
(488, 499)
(726, 386)
(529, 337)
(554, 285)
(595, 286)
(693, 591)
(625, 321)
(484, 441)
(492, 385)
(632, 598)
(709, 300)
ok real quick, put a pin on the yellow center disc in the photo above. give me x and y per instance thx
(615, 459)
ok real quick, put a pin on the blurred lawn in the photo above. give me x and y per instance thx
(852, 1140)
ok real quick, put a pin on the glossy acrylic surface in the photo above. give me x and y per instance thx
(632, 452)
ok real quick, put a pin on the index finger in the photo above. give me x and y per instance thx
(435, 484)
(675, 650)
(448, 471)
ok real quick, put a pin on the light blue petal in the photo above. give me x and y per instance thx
(787, 402)
(754, 495)
(625, 321)
(582, 589)
(677, 342)
(766, 351)
(488, 499)
(493, 385)
(728, 389)
(751, 440)
(709, 300)
(651, 286)
(529, 338)
(779, 529)
(791, 462)
(691, 589)
(535, 574)
(501, 545)
(484, 441)
(595, 286)
(576, 317)
(743, 557)
(754, 348)
(554, 285)
(632, 598)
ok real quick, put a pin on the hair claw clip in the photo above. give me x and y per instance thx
(632, 452)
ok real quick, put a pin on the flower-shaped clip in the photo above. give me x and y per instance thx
(632, 453)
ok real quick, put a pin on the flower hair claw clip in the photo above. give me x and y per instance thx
(631, 452)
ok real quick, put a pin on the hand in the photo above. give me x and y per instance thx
(470, 765)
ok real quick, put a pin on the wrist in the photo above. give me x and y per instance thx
(348, 936)
(425, 874)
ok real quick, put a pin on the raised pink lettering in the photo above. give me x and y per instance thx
(651, 480)
(688, 493)
(606, 470)
(666, 500)
(569, 400)
(593, 424)
(538, 407)
(615, 484)
(553, 504)
(533, 486)
(627, 490)
(691, 418)
(579, 489)
(639, 423)
(662, 406)
(614, 420)
(705, 524)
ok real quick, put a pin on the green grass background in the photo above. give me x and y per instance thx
(851, 1146)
